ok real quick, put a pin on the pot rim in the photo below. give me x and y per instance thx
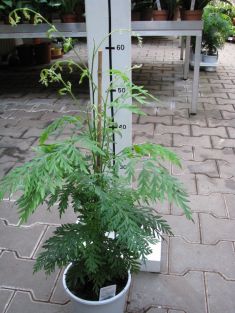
(89, 302)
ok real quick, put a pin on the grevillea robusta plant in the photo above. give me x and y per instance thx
(117, 222)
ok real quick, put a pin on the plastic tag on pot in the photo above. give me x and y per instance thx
(107, 292)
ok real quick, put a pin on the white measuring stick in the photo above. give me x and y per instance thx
(192, 5)
(104, 17)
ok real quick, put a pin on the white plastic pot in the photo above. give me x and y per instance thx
(113, 305)
(212, 61)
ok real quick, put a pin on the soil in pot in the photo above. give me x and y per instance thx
(160, 15)
(86, 291)
(188, 15)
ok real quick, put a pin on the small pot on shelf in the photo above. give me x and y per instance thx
(191, 15)
(69, 18)
(160, 15)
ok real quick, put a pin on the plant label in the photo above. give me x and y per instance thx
(107, 292)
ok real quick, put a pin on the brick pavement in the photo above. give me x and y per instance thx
(198, 263)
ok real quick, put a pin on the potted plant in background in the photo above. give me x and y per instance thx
(116, 222)
(166, 11)
(6, 6)
(146, 9)
(68, 8)
(217, 28)
(196, 13)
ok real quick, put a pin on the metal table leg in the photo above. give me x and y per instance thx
(182, 44)
(186, 61)
(196, 75)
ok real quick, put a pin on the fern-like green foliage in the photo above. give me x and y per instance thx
(117, 223)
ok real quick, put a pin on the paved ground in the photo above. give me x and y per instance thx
(198, 264)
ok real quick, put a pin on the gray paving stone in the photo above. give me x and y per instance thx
(218, 258)
(220, 143)
(42, 215)
(20, 114)
(217, 131)
(5, 297)
(163, 129)
(230, 204)
(40, 102)
(23, 240)
(12, 131)
(143, 129)
(31, 123)
(225, 101)
(32, 132)
(231, 132)
(8, 122)
(23, 277)
(184, 153)
(182, 227)
(156, 310)
(183, 293)
(165, 140)
(226, 107)
(220, 294)
(192, 120)
(213, 203)
(164, 111)
(214, 122)
(49, 230)
(207, 167)
(226, 154)
(5, 168)
(59, 295)
(162, 208)
(22, 302)
(189, 182)
(207, 185)
(226, 169)
(203, 141)
(209, 228)
(8, 142)
(214, 113)
(228, 115)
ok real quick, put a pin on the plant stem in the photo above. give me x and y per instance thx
(99, 117)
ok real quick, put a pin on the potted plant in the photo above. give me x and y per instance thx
(68, 10)
(146, 9)
(6, 6)
(135, 11)
(196, 12)
(116, 223)
(217, 28)
(165, 11)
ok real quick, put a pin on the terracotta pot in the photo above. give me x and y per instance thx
(69, 18)
(160, 15)
(146, 14)
(43, 53)
(188, 15)
(135, 16)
